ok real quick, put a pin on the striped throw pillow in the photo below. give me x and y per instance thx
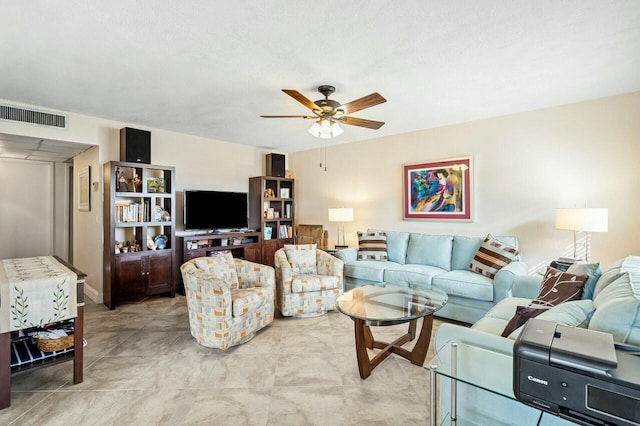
(492, 256)
(372, 246)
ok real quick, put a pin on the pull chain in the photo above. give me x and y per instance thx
(323, 154)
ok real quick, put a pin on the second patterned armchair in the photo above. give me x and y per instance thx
(228, 299)
(308, 280)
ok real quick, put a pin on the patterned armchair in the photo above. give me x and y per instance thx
(228, 299)
(308, 280)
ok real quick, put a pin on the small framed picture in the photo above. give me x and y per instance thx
(284, 192)
(270, 213)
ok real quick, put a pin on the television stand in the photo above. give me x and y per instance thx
(241, 245)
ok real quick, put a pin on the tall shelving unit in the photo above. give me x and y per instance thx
(272, 206)
(134, 195)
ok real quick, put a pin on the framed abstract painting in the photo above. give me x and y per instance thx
(438, 190)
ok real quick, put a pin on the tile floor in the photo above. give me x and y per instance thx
(143, 367)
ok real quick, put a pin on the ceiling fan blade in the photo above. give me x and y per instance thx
(289, 116)
(302, 99)
(370, 124)
(362, 103)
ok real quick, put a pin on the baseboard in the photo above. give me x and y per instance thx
(92, 294)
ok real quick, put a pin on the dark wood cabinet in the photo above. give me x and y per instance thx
(129, 276)
(139, 231)
(252, 253)
(272, 212)
(269, 249)
(140, 275)
(159, 272)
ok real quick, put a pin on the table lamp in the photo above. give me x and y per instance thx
(341, 215)
(582, 220)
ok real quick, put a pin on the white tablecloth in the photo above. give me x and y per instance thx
(35, 291)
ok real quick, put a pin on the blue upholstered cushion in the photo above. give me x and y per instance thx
(371, 270)
(412, 275)
(397, 243)
(593, 273)
(618, 309)
(434, 250)
(465, 284)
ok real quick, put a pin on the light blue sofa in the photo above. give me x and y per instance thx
(611, 304)
(426, 261)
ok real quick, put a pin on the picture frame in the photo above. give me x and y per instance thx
(284, 192)
(84, 189)
(439, 190)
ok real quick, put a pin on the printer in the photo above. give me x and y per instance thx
(577, 374)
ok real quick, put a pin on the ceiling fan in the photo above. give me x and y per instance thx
(328, 113)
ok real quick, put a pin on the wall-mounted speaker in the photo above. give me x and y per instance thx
(275, 165)
(135, 145)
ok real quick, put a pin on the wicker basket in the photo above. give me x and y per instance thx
(50, 345)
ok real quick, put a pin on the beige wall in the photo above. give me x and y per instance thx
(200, 163)
(524, 167)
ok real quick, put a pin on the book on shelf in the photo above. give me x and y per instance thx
(285, 231)
(128, 211)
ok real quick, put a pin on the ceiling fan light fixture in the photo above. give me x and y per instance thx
(315, 129)
(336, 130)
(325, 128)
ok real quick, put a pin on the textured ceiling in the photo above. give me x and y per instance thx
(211, 68)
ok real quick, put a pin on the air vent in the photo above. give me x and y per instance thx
(33, 117)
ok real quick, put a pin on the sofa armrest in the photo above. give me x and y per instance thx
(456, 333)
(207, 293)
(284, 274)
(527, 286)
(503, 281)
(347, 255)
(330, 265)
(251, 274)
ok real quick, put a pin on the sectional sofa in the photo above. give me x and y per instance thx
(610, 303)
(425, 261)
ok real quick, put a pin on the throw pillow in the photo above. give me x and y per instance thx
(523, 314)
(222, 267)
(302, 258)
(557, 287)
(372, 246)
(492, 256)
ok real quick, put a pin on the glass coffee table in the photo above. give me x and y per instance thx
(384, 305)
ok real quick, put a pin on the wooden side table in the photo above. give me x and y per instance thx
(77, 356)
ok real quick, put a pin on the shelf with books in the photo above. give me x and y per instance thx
(272, 211)
(139, 229)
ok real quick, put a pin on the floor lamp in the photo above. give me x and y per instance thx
(582, 220)
(341, 215)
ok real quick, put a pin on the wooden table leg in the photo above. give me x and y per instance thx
(5, 370)
(362, 332)
(78, 349)
(420, 349)
(364, 340)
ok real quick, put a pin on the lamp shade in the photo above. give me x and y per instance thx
(585, 219)
(343, 214)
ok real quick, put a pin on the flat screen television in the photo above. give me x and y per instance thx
(214, 210)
